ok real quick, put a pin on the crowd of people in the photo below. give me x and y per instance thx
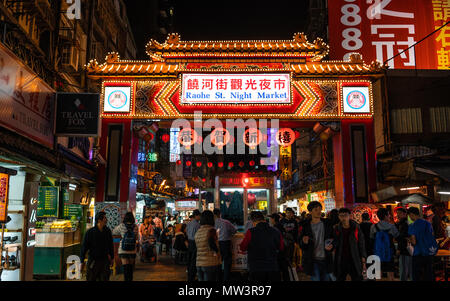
(326, 248)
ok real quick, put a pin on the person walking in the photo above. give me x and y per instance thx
(225, 230)
(262, 243)
(365, 226)
(98, 242)
(146, 239)
(425, 246)
(383, 233)
(315, 236)
(208, 254)
(191, 229)
(290, 226)
(405, 259)
(283, 261)
(350, 257)
(127, 249)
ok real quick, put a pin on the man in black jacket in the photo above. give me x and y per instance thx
(405, 259)
(98, 242)
(350, 257)
(315, 236)
(365, 226)
(263, 243)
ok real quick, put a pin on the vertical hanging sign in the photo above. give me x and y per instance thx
(286, 162)
(4, 186)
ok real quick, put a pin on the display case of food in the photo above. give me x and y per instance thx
(55, 241)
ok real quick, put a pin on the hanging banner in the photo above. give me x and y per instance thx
(27, 102)
(77, 114)
(381, 29)
(4, 189)
(236, 88)
(286, 163)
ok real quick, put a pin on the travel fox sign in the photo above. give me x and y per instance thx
(236, 88)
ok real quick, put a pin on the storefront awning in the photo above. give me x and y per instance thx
(415, 198)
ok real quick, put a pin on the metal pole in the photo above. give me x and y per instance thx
(1, 249)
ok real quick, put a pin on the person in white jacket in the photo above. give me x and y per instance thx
(127, 249)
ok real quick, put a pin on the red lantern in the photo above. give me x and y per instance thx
(285, 137)
(230, 165)
(188, 163)
(220, 164)
(178, 162)
(220, 137)
(251, 163)
(252, 137)
(204, 180)
(165, 138)
(241, 164)
(187, 137)
(297, 135)
(199, 164)
(210, 164)
(195, 179)
(199, 139)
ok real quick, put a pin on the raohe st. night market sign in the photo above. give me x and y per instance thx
(236, 88)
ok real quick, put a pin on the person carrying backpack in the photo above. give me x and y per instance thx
(127, 250)
(383, 234)
(425, 246)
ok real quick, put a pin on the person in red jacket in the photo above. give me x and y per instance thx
(262, 242)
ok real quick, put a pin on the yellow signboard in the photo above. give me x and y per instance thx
(4, 186)
(286, 162)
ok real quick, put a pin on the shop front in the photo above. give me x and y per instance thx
(49, 194)
(198, 92)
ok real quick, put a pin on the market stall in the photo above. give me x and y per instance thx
(58, 231)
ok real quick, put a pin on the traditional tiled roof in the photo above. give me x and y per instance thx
(114, 67)
(298, 47)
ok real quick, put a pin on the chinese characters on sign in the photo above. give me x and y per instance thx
(4, 186)
(441, 15)
(186, 205)
(48, 201)
(381, 29)
(236, 88)
(252, 181)
(286, 162)
(26, 101)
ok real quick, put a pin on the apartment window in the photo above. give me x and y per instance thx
(66, 54)
(406, 121)
(440, 119)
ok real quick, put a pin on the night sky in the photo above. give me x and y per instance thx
(224, 20)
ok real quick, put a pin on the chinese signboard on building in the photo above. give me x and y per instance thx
(252, 181)
(27, 102)
(4, 186)
(236, 88)
(382, 29)
(186, 205)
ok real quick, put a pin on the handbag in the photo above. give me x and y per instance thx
(410, 248)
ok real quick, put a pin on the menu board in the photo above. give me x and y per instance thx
(48, 201)
(4, 186)
(73, 210)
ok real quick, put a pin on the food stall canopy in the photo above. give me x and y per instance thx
(415, 198)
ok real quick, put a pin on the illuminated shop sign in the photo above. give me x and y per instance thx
(117, 99)
(175, 148)
(356, 99)
(151, 157)
(186, 205)
(236, 88)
